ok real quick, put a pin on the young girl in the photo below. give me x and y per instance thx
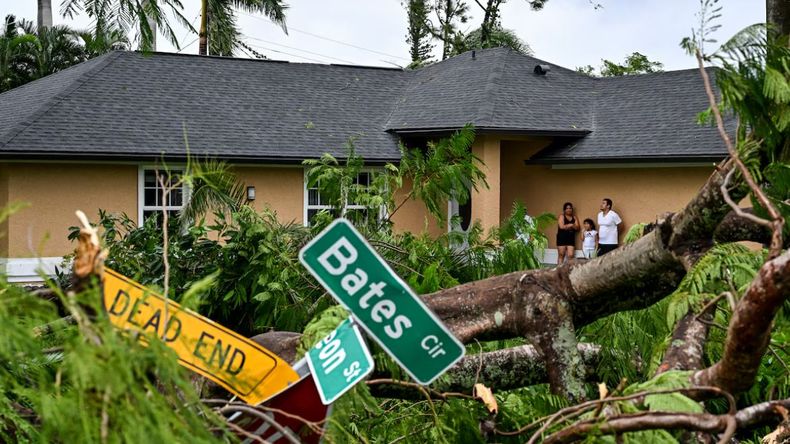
(590, 237)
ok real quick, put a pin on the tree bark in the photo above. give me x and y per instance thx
(686, 351)
(203, 32)
(499, 370)
(777, 13)
(750, 329)
(44, 14)
(735, 228)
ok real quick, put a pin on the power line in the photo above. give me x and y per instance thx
(291, 28)
(287, 53)
(187, 45)
(298, 49)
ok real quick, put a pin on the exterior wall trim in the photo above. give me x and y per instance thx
(550, 256)
(591, 166)
(29, 270)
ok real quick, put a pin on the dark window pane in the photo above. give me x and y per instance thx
(149, 198)
(176, 197)
(465, 213)
(363, 179)
(310, 214)
(312, 197)
(149, 178)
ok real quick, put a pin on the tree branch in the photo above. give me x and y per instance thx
(750, 329)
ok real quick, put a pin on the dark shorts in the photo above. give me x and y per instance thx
(605, 248)
(566, 238)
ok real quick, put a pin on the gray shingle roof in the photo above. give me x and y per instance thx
(650, 116)
(132, 105)
(495, 89)
(129, 105)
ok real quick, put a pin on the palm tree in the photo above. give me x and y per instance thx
(27, 54)
(213, 186)
(50, 50)
(102, 39)
(146, 18)
(44, 14)
(11, 43)
(219, 34)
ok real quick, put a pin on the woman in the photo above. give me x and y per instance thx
(566, 233)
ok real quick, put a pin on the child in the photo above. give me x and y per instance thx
(590, 237)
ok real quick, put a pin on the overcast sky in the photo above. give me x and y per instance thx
(569, 33)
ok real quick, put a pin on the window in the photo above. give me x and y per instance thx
(150, 195)
(315, 203)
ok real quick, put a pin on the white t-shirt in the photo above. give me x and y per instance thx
(589, 240)
(607, 227)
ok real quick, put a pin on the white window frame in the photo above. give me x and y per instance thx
(306, 207)
(141, 207)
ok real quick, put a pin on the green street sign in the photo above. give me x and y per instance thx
(351, 270)
(339, 361)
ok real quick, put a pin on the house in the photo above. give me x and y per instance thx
(88, 137)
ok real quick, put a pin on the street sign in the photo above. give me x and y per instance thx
(290, 410)
(240, 365)
(339, 361)
(348, 267)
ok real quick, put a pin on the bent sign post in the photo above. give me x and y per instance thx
(348, 267)
(339, 361)
(227, 358)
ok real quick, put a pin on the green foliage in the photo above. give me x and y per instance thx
(212, 186)
(636, 63)
(418, 35)
(341, 183)
(667, 402)
(634, 233)
(725, 267)
(136, 252)
(132, 16)
(90, 383)
(444, 170)
(632, 343)
(224, 36)
(498, 38)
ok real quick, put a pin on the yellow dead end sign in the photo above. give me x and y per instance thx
(227, 358)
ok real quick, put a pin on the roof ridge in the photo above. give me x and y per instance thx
(248, 60)
(57, 98)
(656, 74)
(486, 109)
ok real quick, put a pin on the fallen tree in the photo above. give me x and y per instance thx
(548, 307)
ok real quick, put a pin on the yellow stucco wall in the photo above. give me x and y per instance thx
(278, 188)
(639, 194)
(486, 201)
(54, 192)
(3, 204)
(413, 216)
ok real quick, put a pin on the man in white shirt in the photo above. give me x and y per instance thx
(608, 225)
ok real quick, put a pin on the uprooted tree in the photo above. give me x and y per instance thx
(548, 306)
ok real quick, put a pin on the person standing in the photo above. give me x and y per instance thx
(589, 239)
(608, 227)
(567, 226)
